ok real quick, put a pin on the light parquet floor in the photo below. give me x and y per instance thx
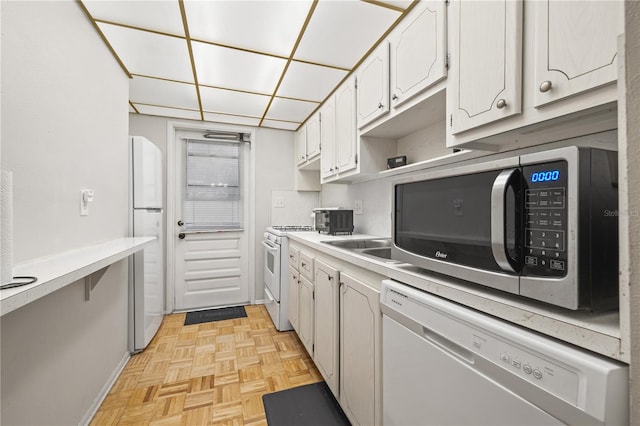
(207, 374)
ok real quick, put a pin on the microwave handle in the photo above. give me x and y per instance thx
(498, 194)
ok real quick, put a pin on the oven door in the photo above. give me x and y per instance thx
(272, 268)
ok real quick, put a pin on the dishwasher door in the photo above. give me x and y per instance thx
(444, 364)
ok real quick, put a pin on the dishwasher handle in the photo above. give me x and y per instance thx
(448, 345)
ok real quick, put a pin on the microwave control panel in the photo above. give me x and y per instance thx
(545, 217)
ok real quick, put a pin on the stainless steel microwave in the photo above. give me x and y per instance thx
(540, 225)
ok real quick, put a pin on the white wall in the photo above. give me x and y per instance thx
(274, 168)
(64, 128)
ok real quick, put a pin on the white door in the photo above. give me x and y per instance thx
(360, 350)
(346, 142)
(211, 234)
(373, 86)
(576, 47)
(418, 49)
(327, 315)
(485, 82)
(328, 138)
(305, 313)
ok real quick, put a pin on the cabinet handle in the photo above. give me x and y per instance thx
(180, 223)
(545, 86)
(380, 106)
(331, 169)
(394, 97)
(304, 264)
(290, 256)
(501, 103)
(295, 278)
(330, 278)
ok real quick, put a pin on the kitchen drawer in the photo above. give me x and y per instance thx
(306, 266)
(293, 257)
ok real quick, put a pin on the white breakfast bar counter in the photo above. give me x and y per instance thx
(57, 271)
(598, 332)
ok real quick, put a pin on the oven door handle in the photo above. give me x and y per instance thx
(272, 248)
(498, 213)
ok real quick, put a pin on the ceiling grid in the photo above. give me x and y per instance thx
(268, 63)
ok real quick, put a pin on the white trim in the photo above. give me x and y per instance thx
(172, 128)
(93, 409)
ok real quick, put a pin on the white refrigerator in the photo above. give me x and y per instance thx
(146, 268)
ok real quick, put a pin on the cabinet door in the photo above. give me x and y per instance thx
(305, 313)
(485, 62)
(313, 137)
(292, 308)
(346, 141)
(328, 138)
(575, 47)
(360, 367)
(326, 353)
(418, 50)
(373, 86)
(301, 145)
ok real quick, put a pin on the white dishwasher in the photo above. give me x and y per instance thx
(444, 364)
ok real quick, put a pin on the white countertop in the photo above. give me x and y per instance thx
(599, 332)
(55, 272)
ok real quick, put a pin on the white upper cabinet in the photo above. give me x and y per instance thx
(313, 137)
(301, 145)
(373, 86)
(485, 82)
(328, 138)
(575, 46)
(345, 127)
(418, 51)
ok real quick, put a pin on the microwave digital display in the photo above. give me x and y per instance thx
(545, 176)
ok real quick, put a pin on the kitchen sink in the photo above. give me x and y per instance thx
(378, 248)
(361, 244)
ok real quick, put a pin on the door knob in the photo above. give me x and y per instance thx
(180, 223)
(545, 86)
(181, 235)
(501, 103)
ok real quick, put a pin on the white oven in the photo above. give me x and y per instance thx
(272, 256)
(275, 247)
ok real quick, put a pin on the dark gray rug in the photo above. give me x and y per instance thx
(309, 405)
(219, 314)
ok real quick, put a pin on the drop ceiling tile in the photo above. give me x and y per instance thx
(161, 92)
(231, 102)
(150, 54)
(309, 82)
(341, 32)
(231, 119)
(236, 69)
(402, 4)
(284, 125)
(264, 26)
(290, 110)
(167, 112)
(163, 16)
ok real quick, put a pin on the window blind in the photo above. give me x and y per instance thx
(212, 194)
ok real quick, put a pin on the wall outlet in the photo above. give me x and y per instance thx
(278, 202)
(357, 207)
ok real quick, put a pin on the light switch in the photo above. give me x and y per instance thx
(278, 202)
(86, 196)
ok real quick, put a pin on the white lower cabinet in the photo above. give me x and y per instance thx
(327, 316)
(306, 313)
(293, 298)
(338, 320)
(360, 351)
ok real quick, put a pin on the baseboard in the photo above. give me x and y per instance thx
(86, 419)
(260, 302)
